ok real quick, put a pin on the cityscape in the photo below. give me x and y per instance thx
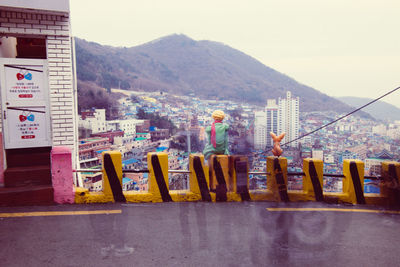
(131, 132)
(110, 115)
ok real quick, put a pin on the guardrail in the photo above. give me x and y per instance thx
(226, 178)
(253, 173)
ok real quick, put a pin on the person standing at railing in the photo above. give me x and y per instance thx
(217, 136)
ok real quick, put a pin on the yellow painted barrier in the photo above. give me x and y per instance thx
(199, 179)
(223, 161)
(158, 178)
(277, 180)
(158, 184)
(313, 179)
(390, 184)
(239, 172)
(112, 175)
(220, 181)
(353, 182)
(112, 182)
(232, 174)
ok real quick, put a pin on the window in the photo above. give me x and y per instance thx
(31, 48)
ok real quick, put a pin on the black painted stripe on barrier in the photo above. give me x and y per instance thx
(393, 174)
(357, 183)
(166, 197)
(115, 184)
(315, 182)
(201, 179)
(280, 181)
(221, 189)
(394, 182)
(241, 179)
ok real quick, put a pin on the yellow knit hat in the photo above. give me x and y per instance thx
(218, 115)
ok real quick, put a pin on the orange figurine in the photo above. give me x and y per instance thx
(277, 150)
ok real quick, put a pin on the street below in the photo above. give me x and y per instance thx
(200, 234)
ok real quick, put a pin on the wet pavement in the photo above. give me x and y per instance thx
(200, 234)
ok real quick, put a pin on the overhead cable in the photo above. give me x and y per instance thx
(342, 117)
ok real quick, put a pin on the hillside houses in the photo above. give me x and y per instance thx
(350, 138)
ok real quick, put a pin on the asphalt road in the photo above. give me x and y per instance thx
(199, 234)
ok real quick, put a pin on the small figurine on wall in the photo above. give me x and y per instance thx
(277, 150)
(217, 136)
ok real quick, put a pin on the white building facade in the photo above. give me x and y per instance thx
(128, 126)
(260, 130)
(271, 111)
(47, 23)
(95, 123)
(289, 119)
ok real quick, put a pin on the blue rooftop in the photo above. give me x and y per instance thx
(161, 148)
(127, 180)
(129, 161)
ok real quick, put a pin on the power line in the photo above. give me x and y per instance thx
(344, 116)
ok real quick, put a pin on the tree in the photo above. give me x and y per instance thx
(141, 114)
(156, 120)
(134, 99)
(236, 113)
(91, 96)
(180, 142)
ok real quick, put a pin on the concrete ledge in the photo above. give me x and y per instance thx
(138, 197)
(376, 199)
(83, 196)
(276, 192)
(261, 195)
(184, 196)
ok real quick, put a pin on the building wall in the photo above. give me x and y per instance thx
(96, 122)
(289, 120)
(260, 130)
(56, 30)
(272, 120)
(129, 126)
(318, 154)
(162, 134)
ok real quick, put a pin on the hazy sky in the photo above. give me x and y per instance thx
(339, 47)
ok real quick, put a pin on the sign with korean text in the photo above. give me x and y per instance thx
(25, 103)
(27, 123)
(24, 82)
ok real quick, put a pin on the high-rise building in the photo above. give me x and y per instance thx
(271, 111)
(288, 118)
(260, 130)
(277, 118)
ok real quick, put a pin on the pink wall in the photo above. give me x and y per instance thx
(62, 176)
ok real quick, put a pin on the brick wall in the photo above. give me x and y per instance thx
(56, 30)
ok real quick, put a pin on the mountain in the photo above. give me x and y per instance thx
(181, 65)
(380, 110)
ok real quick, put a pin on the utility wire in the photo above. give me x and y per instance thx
(344, 116)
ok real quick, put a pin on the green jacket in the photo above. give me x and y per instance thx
(221, 138)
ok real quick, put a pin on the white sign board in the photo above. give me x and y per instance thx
(24, 83)
(27, 123)
(25, 103)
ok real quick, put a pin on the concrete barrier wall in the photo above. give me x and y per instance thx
(226, 179)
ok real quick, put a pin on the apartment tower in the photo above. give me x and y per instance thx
(288, 118)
